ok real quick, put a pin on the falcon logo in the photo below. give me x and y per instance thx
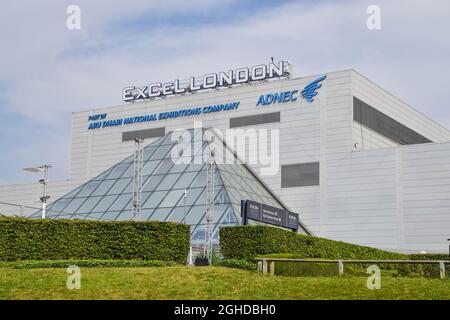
(309, 92)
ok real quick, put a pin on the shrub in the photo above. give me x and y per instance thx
(28, 264)
(237, 263)
(247, 242)
(430, 270)
(29, 239)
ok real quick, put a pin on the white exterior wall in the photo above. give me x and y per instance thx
(393, 198)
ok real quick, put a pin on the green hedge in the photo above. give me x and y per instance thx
(237, 264)
(29, 264)
(430, 270)
(44, 239)
(247, 242)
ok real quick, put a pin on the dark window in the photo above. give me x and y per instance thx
(144, 134)
(384, 125)
(255, 120)
(300, 175)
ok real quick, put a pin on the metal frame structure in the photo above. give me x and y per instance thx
(138, 163)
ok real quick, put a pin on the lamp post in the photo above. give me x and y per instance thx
(44, 183)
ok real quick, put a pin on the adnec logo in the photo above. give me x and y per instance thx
(308, 93)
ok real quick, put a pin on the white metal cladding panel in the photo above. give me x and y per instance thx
(361, 198)
(28, 194)
(426, 196)
(365, 138)
(393, 107)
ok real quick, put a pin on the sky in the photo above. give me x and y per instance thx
(48, 71)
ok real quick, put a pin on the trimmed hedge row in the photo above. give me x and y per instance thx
(29, 264)
(29, 239)
(247, 242)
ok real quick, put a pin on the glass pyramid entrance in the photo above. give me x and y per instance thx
(172, 164)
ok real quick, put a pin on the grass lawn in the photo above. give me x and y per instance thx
(206, 283)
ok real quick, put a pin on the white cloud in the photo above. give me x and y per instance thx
(55, 71)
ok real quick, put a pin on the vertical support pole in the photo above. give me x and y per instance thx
(259, 266)
(272, 268)
(341, 267)
(138, 164)
(190, 256)
(264, 266)
(442, 269)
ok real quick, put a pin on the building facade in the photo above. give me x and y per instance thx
(355, 162)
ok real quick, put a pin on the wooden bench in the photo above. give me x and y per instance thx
(267, 265)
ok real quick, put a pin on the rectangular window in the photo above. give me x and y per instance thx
(255, 120)
(300, 175)
(384, 125)
(144, 134)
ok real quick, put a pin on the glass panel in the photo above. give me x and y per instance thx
(148, 151)
(172, 198)
(149, 166)
(129, 172)
(164, 166)
(152, 182)
(199, 235)
(160, 214)
(110, 215)
(192, 195)
(195, 166)
(117, 170)
(88, 205)
(161, 152)
(195, 215)
(168, 181)
(177, 214)
(146, 213)
(219, 210)
(200, 180)
(154, 199)
(103, 205)
(229, 217)
(88, 188)
(73, 205)
(125, 215)
(119, 186)
(104, 186)
(121, 202)
(59, 205)
(178, 168)
(221, 197)
(128, 188)
(185, 180)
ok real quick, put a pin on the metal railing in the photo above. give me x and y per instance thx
(267, 265)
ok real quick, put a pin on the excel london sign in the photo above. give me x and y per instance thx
(208, 81)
